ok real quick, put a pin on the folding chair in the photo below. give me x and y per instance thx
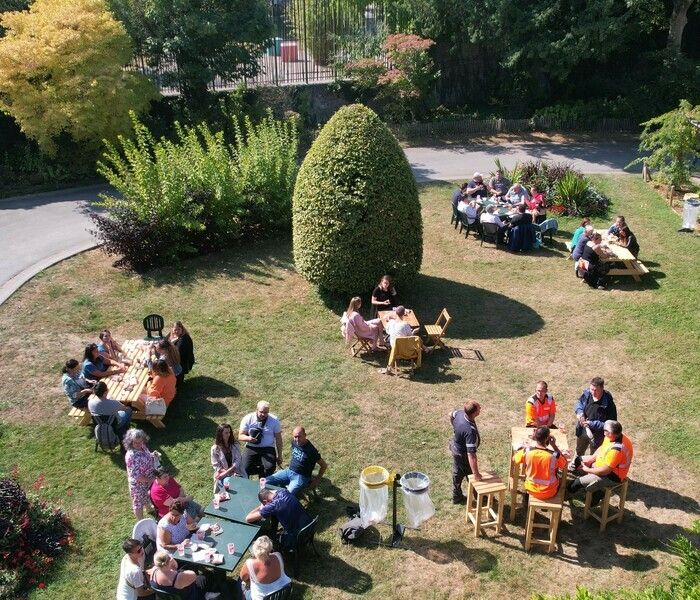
(489, 230)
(437, 332)
(356, 343)
(153, 323)
(406, 348)
(305, 537)
(549, 226)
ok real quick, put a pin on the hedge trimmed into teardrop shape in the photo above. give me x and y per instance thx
(356, 214)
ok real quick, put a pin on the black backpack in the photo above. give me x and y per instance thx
(351, 530)
(105, 436)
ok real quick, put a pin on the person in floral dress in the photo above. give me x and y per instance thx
(140, 468)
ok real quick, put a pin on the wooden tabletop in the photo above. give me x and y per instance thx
(520, 434)
(409, 317)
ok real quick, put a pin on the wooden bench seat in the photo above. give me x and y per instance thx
(81, 416)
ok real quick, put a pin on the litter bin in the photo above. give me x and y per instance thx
(374, 495)
(691, 208)
(419, 507)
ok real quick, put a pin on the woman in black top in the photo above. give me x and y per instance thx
(597, 270)
(383, 296)
(179, 337)
(628, 240)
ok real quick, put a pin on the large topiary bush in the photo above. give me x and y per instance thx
(356, 213)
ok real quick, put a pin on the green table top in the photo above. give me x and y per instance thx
(236, 533)
(502, 210)
(244, 498)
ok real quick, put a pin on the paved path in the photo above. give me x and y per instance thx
(39, 230)
(457, 163)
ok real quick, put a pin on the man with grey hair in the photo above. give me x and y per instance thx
(262, 433)
(607, 466)
(477, 188)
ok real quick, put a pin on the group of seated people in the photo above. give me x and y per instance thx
(179, 514)
(169, 359)
(379, 335)
(591, 253)
(477, 204)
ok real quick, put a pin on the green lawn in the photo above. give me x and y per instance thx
(261, 332)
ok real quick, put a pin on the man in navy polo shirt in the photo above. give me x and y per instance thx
(284, 507)
(299, 474)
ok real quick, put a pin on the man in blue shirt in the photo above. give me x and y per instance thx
(284, 507)
(299, 474)
(594, 407)
(463, 447)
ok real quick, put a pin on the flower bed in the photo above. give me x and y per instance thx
(32, 536)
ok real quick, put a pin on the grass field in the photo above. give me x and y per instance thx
(261, 332)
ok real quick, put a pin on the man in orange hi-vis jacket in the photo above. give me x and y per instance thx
(541, 465)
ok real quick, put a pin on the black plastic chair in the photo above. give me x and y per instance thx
(304, 538)
(455, 215)
(465, 224)
(153, 323)
(489, 230)
(282, 594)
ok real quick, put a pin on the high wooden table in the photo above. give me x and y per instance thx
(128, 387)
(409, 317)
(518, 435)
(631, 266)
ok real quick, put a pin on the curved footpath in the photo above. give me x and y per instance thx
(40, 230)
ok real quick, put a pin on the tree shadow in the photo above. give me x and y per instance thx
(330, 571)
(259, 260)
(476, 313)
(208, 387)
(652, 496)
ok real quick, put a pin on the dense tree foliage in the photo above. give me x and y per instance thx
(525, 55)
(356, 213)
(61, 72)
(205, 38)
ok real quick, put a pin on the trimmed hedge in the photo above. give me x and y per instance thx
(356, 214)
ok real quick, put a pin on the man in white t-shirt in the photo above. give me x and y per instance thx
(262, 433)
(131, 579)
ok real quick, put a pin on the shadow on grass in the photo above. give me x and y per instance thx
(443, 553)
(208, 387)
(476, 313)
(259, 260)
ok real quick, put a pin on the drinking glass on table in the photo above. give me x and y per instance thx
(216, 501)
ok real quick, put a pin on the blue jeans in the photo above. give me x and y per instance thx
(294, 482)
(122, 422)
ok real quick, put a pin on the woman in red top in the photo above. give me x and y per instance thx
(165, 490)
(537, 205)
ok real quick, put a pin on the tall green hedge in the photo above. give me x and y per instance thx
(356, 213)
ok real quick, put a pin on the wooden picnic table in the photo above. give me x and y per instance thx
(632, 266)
(409, 317)
(128, 387)
(518, 435)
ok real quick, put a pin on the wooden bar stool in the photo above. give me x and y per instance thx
(485, 515)
(607, 513)
(551, 509)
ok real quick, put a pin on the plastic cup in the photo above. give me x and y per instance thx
(216, 501)
(263, 481)
(226, 484)
(181, 549)
(231, 548)
(200, 534)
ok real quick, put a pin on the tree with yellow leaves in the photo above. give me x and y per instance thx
(62, 72)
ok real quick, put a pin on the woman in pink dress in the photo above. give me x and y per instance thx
(354, 323)
(140, 469)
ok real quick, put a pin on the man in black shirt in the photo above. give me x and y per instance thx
(463, 447)
(299, 474)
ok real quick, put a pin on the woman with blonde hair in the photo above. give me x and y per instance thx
(264, 573)
(352, 324)
(184, 584)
